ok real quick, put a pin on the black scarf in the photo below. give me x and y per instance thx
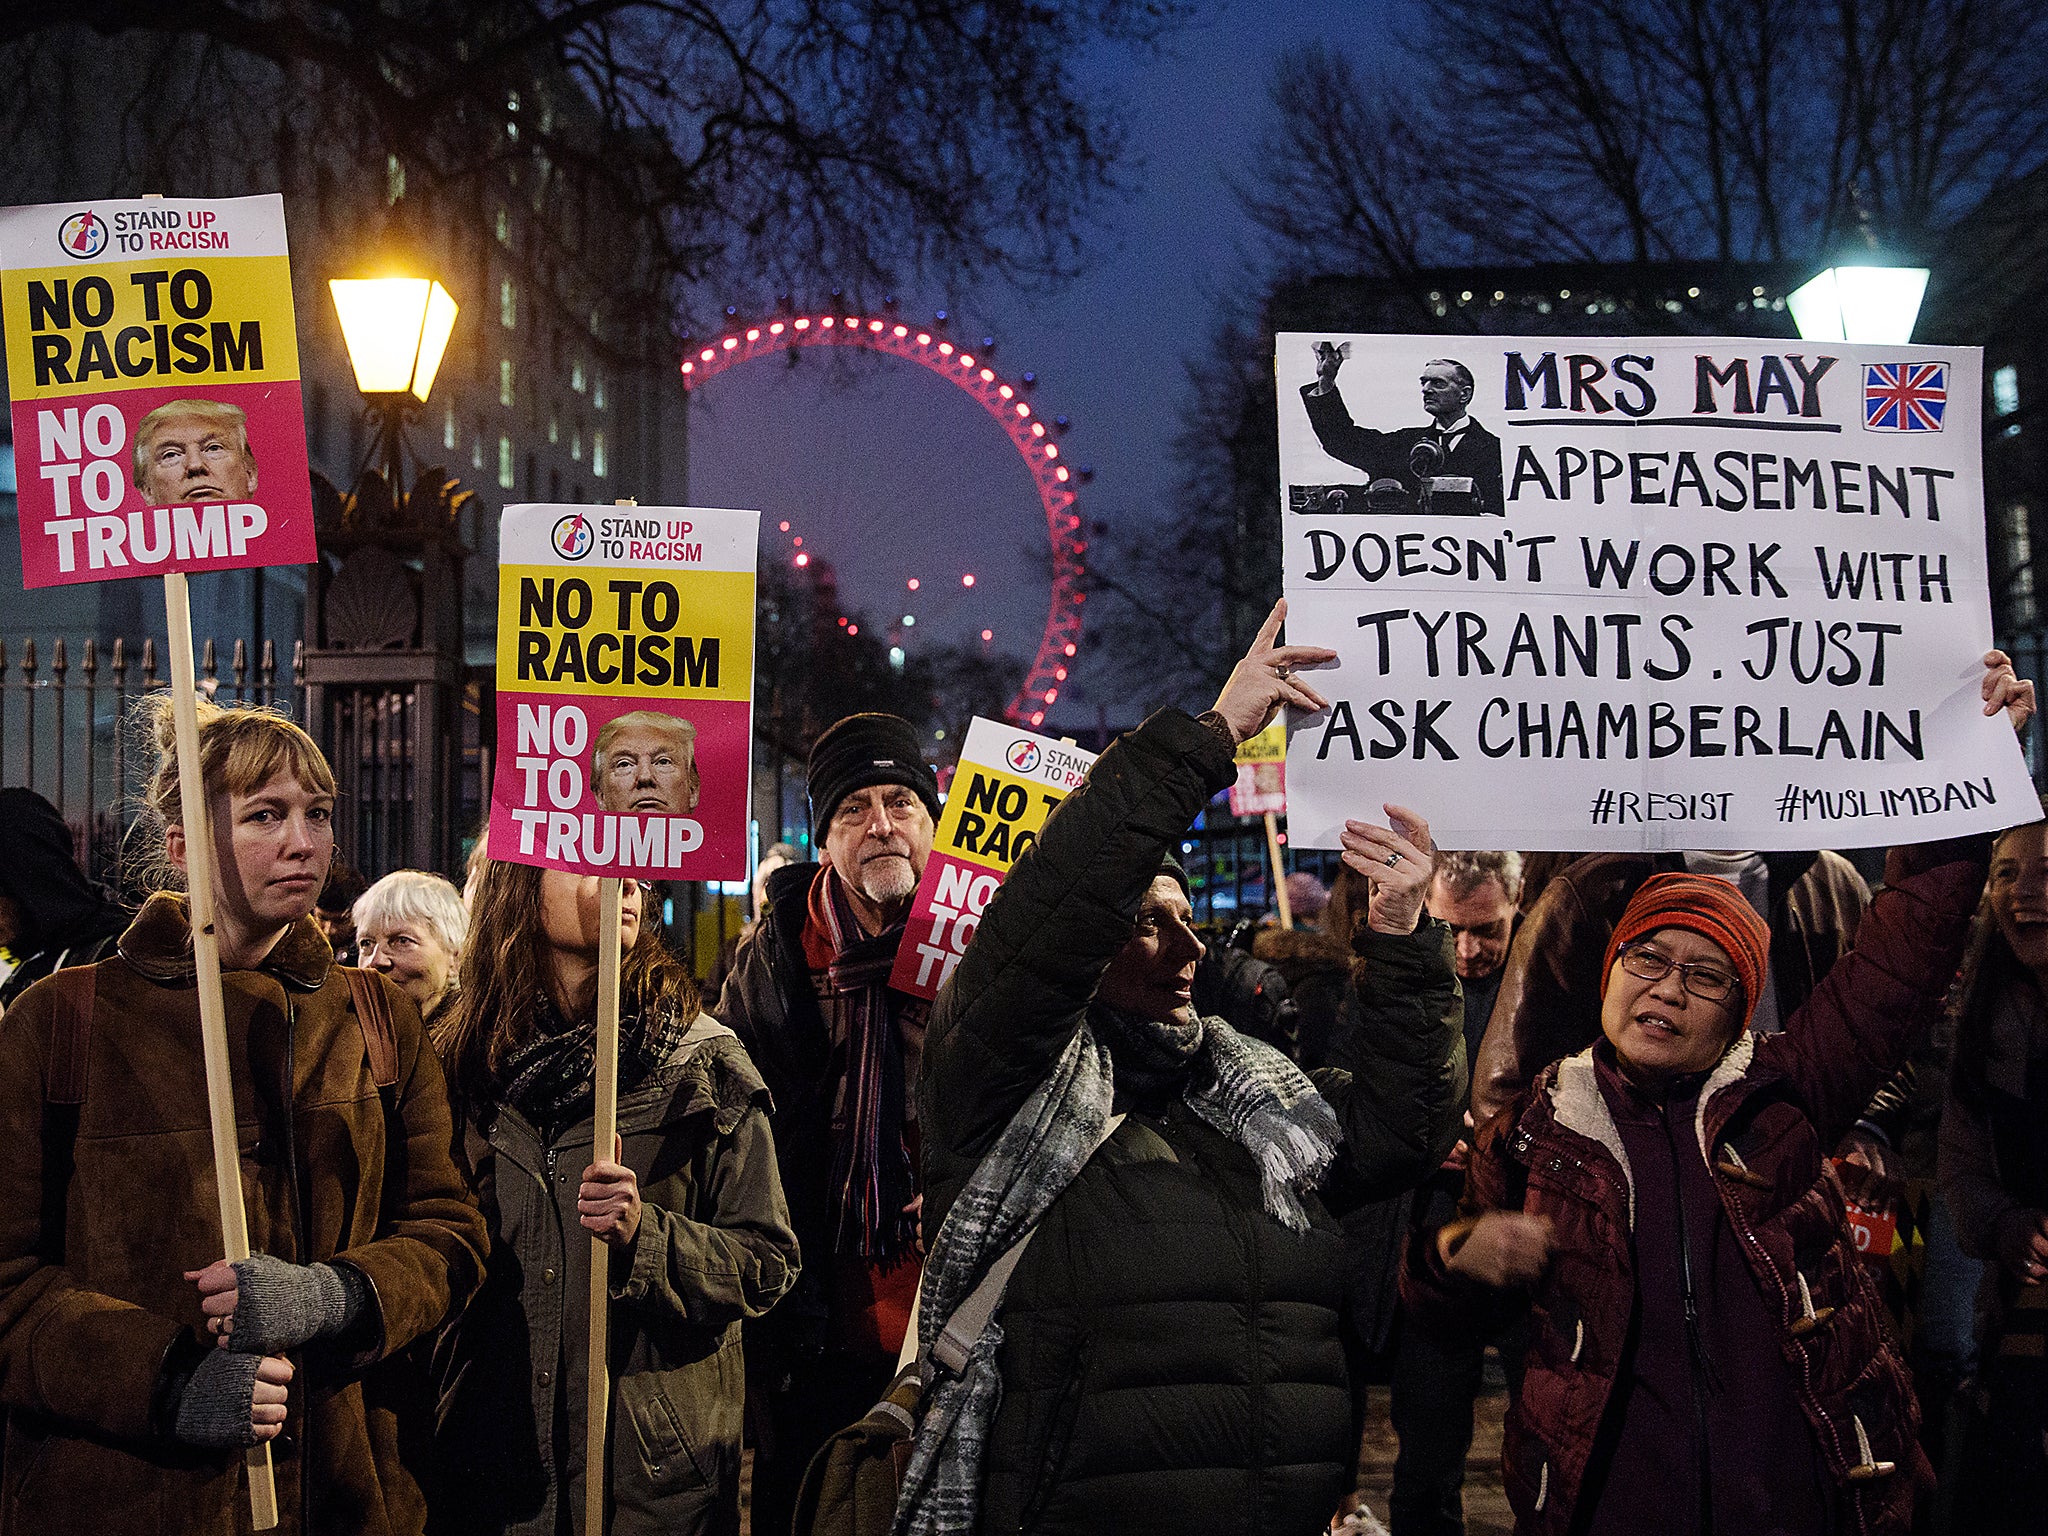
(551, 1078)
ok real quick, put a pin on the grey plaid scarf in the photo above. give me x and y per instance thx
(1243, 1087)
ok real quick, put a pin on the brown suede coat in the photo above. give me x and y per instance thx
(93, 1303)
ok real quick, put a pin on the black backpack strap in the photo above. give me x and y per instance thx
(373, 1017)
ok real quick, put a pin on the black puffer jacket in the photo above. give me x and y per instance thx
(1171, 1358)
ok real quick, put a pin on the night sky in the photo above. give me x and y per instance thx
(890, 473)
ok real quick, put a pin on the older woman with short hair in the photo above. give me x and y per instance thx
(411, 927)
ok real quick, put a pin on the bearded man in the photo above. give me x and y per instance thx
(839, 1049)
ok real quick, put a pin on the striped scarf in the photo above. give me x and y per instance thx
(1242, 1087)
(872, 1178)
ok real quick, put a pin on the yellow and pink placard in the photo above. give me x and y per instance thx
(1261, 787)
(1008, 782)
(625, 690)
(154, 373)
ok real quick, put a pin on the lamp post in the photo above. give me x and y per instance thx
(1866, 301)
(385, 663)
(396, 330)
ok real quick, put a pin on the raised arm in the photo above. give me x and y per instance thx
(1020, 992)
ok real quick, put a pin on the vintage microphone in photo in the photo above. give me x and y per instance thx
(1425, 458)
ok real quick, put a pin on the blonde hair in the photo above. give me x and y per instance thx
(240, 750)
(219, 411)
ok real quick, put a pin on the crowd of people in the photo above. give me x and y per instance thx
(1253, 1181)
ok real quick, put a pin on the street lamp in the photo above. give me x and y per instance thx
(396, 330)
(1866, 302)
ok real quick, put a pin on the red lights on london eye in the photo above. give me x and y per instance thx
(1052, 479)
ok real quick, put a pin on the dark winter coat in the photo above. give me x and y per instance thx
(95, 1313)
(1171, 1359)
(61, 919)
(714, 1246)
(1765, 1118)
(769, 1002)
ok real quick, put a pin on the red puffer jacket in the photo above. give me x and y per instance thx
(1765, 1117)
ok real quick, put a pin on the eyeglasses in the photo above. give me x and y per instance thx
(1702, 978)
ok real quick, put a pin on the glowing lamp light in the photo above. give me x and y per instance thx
(966, 361)
(1059, 674)
(853, 322)
(1023, 409)
(923, 339)
(730, 342)
(1859, 303)
(775, 329)
(913, 584)
(753, 335)
(988, 376)
(798, 541)
(853, 629)
(967, 580)
(1005, 391)
(785, 525)
(842, 621)
(1060, 474)
(988, 634)
(396, 330)
(875, 326)
(708, 353)
(1038, 718)
(803, 559)
(827, 322)
(945, 349)
(1037, 427)
(1052, 450)
(1070, 647)
(803, 325)
(689, 367)
(900, 332)
(1051, 694)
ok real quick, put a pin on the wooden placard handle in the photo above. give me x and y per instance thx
(213, 1018)
(604, 1119)
(1279, 874)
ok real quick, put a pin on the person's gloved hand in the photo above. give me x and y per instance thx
(262, 1305)
(234, 1401)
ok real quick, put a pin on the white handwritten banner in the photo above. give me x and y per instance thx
(1641, 593)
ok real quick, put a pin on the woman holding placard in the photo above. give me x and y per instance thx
(135, 1363)
(690, 1204)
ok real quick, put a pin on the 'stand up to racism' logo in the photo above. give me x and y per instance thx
(83, 235)
(1023, 755)
(573, 536)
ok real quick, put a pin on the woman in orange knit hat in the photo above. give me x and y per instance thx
(1708, 1352)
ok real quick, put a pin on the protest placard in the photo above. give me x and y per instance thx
(1641, 593)
(1261, 787)
(1007, 783)
(154, 373)
(625, 690)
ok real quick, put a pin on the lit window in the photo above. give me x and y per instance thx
(506, 478)
(597, 464)
(504, 381)
(597, 390)
(476, 453)
(504, 226)
(394, 178)
(554, 429)
(449, 436)
(576, 445)
(508, 304)
(576, 379)
(2005, 390)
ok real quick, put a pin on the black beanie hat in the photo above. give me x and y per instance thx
(864, 750)
(1174, 870)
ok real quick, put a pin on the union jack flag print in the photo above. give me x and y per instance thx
(1904, 397)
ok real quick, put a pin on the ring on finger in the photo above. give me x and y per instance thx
(1393, 859)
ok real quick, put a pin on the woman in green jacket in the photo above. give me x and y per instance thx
(689, 1205)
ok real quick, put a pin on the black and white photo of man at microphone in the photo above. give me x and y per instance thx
(1450, 467)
